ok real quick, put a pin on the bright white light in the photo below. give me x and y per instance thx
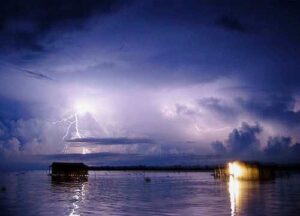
(85, 150)
(235, 169)
(83, 107)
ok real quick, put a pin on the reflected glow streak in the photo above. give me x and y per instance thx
(77, 198)
(234, 194)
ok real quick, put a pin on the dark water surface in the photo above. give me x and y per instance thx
(126, 193)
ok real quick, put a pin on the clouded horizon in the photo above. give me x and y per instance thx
(150, 78)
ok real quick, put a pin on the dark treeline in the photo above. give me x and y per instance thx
(179, 168)
(154, 168)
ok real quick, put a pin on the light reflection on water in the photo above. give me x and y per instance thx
(77, 198)
(126, 193)
(234, 192)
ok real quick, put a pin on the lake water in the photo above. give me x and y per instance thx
(126, 193)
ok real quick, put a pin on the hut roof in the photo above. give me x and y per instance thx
(64, 165)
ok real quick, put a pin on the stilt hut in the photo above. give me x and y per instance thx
(68, 171)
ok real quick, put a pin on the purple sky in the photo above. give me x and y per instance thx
(150, 78)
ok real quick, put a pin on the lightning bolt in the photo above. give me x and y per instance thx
(70, 120)
(76, 126)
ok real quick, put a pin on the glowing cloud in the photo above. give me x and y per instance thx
(83, 106)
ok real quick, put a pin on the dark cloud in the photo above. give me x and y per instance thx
(273, 108)
(216, 106)
(51, 12)
(218, 147)
(168, 27)
(240, 141)
(244, 139)
(278, 145)
(231, 23)
(295, 150)
(112, 141)
(23, 22)
(37, 75)
(282, 149)
(244, 142)
(213, 105)
(29, 73)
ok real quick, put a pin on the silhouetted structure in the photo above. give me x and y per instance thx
(246, 171)
(68, 171)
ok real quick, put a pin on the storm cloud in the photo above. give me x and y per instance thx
(23, 23)
(244, 141)
(240, 141)
(282, 148)
(178, 74)
(274, 108)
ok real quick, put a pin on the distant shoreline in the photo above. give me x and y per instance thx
(291, 167)
(153, 168)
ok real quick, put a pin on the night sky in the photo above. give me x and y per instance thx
(149, 78)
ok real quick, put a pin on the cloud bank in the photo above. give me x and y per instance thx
(244, 143)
